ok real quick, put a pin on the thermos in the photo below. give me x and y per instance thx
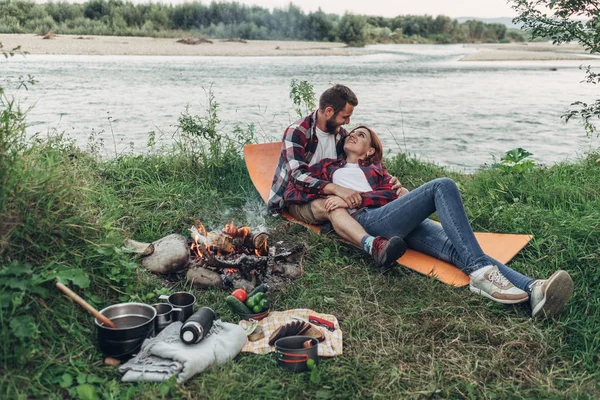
(197, 326)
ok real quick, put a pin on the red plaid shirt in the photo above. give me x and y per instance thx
(376, 175)
(297, 150)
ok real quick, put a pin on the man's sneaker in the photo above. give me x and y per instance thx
(387, 251)
(493, 285)
(550, 295)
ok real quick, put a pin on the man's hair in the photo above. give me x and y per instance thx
(337, 97)
(375, 143)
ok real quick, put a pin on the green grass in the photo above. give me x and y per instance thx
(65, 213)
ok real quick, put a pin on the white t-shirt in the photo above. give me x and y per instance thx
(352, 177)
(325, 147)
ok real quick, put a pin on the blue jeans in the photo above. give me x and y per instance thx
(453, 241)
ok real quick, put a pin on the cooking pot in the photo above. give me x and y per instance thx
(292, 355)
(135, 323)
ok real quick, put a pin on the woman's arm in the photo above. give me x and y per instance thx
(381, 182)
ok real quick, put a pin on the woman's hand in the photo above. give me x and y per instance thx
(397, 186)
(334, 202)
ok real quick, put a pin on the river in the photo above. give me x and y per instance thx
(420, 99)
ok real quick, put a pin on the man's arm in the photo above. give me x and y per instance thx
(302, 177)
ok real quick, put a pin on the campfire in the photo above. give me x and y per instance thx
(229, 258)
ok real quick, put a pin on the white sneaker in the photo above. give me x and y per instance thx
(550, 295)
(493, 285)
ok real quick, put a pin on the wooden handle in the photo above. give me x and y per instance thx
(86, 305)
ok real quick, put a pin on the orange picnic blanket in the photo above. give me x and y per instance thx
(261, 161)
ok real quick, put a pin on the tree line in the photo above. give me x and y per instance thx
(235, 20)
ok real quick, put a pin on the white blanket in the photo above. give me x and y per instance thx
(166, 355)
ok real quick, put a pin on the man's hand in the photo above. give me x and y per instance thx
(351, 197)
(397, 186)
(333, 202)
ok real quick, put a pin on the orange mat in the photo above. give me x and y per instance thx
(261, 160)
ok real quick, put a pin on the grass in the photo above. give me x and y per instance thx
(64, 214)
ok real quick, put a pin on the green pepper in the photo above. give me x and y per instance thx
(256, 309)
(264, 304)
(255, 300)
(251, 302)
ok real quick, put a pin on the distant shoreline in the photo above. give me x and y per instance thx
(534, 51)
(148, 46)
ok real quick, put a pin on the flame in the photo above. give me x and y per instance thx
(263, 250)
(233, 231)
(232, 271)
(243, 232)
(196, 246)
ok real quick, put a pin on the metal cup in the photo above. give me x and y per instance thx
(165, 314)
(183, 301)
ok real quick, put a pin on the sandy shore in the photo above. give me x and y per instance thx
(128, 45)
(528, 52)
(146, 46)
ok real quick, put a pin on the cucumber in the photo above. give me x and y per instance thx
(237, 306)
(262, 288)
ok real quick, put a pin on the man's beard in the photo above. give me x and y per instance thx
(331, 126)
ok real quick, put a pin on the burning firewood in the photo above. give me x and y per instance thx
(230, 258)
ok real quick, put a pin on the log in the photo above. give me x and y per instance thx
(220, 241)
(171, 254)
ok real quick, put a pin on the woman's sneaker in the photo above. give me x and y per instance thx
(493, 285)
(549, 296)
(387, 251)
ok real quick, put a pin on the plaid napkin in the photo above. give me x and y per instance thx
(331, 346)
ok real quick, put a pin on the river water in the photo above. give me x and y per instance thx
(420, 99)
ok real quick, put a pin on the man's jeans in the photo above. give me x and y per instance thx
(453, 241)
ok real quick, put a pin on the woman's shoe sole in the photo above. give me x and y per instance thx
(559, 289)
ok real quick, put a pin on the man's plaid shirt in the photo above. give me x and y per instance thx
(376, 175)
(297, 150)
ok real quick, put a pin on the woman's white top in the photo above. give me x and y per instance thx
(352, 177)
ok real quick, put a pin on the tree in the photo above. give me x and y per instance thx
(564, 21)
(351, 30)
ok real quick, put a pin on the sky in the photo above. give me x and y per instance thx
(386, 8)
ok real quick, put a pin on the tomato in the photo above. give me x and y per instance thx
(240, 294)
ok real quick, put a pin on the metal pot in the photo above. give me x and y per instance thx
(291, 354)
(135, 323)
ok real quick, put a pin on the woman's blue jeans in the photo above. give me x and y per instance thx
(453, 241)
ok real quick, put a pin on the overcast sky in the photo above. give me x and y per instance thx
(386, 8)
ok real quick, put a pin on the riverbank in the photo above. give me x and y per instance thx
(534, 51)
(147, 46)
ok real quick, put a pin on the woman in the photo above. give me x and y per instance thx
(383, 213)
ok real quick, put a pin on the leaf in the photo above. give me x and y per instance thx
(164, 389)
(16, 283)
(66, 380)
(24, 326)
(94, 379)
(81, 378)
(86, 392)
(75, 275)
(16, 268)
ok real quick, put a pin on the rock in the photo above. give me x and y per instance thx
(204, 278)
(171, 254)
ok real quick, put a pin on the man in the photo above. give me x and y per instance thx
(311, 139)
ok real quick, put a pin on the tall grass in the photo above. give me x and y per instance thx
(64, 214)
